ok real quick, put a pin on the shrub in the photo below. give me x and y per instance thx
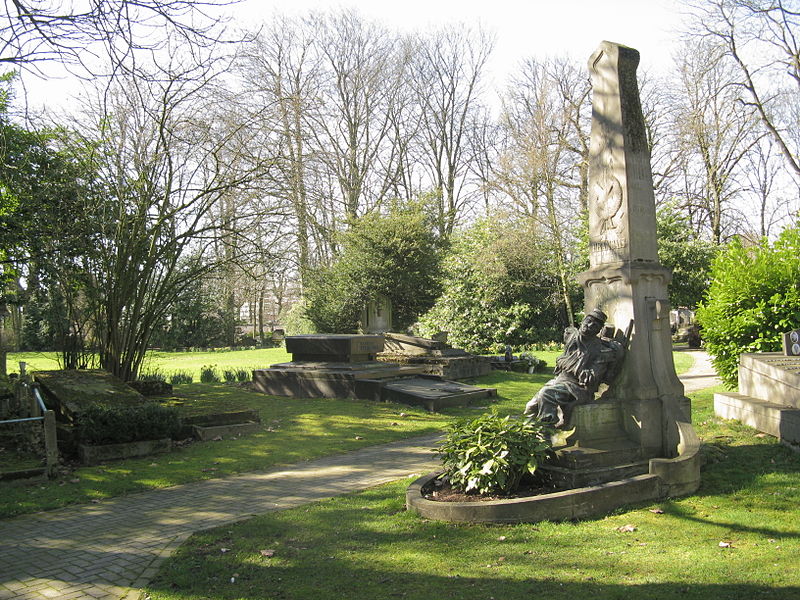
(754, 297)
(178, 377)
(154, 375)
(243, 375)
(229, 376)
(501, 286)
(208, 374)
(102, 424)
(491, 454)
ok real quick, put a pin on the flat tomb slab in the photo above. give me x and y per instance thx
(433, 394)
(334, 347)
(770, 417)
(772, 376)
(74, 390)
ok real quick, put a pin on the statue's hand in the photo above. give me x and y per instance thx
(586, 378)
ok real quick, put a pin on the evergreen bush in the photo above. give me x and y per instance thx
(102, 424)
(753, 298)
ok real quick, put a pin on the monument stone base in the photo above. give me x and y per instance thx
(344, 366)
(768, 397)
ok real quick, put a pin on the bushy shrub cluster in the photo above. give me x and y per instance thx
(491, 454)
(754, 297)
(102, 424)
(501, 286)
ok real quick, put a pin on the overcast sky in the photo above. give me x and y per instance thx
(523, 28)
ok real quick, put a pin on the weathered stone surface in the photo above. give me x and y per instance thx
(206, 433)
(774, 418)
(71, 391)
(92, 455)
(771, 376)
(334, 347)
(334, 366)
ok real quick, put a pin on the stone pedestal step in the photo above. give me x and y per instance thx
(209, 433)
(773, 418)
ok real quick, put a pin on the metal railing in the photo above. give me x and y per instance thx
(41, 413)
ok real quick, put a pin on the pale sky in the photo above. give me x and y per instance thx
(523, 28)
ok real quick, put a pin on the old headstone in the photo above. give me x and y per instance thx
(376, 317)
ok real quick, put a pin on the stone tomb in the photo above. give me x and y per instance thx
(768, 397)
(344, 366)
(436, 357)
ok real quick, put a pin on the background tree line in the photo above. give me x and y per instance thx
(205, 182)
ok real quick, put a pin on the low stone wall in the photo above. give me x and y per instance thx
(92, 455)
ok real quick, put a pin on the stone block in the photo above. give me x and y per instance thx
(208, 433)
(776, 419)
(772, 376)
(334, 347)
(92, 455)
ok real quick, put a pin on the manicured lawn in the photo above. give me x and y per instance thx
(169, 362)
(365, 546)
(294, 430)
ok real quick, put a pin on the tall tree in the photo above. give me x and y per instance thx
(542, 170)
(761, 38)
(157, 144)
(446, 72)
(716, 130)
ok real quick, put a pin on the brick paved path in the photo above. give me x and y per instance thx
(111, 549)
(104, 550)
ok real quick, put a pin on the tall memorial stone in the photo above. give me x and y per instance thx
(635, 443)
(625, 279)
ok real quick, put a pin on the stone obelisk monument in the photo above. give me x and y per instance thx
(625, 279)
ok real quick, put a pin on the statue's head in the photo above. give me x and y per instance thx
(593, 322)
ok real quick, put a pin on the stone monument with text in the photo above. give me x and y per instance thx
(643, 413)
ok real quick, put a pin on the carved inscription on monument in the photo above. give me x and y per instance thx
(621, 203)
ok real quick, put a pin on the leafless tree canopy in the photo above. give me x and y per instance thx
(34, 31)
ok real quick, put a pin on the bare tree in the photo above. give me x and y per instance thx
(37, 31)
(157, 147)
(281, 76)
(715, 132)
(366, 67)
(762, 40)
(542, 168)
(446, 73)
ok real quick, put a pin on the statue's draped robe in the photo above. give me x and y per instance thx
(559, 396)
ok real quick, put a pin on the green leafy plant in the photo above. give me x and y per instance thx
(754, 297)
(101, 424)
(154, 375)
(178, 377)
(229, 375)
(243, 375)
(208, 374)
(491, 454)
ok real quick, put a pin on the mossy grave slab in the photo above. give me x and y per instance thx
(73, 390)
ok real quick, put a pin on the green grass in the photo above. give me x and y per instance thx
(295, 430)
(366, 546)
(169, 362)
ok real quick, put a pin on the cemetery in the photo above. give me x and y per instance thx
(267, 332)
